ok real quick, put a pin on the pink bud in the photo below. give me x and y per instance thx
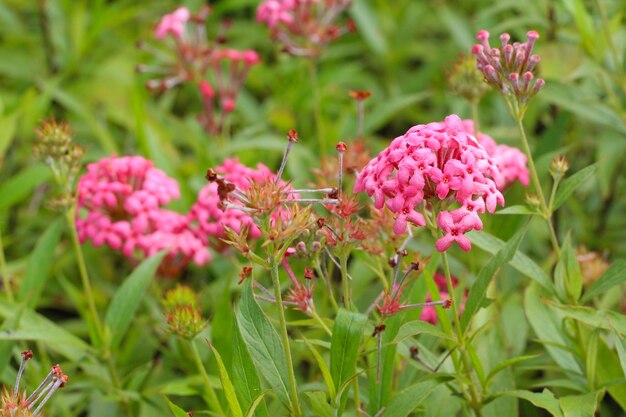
(228, 105)
(206, 90)
(251, 57)
(505, 38)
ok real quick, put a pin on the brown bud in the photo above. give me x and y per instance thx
(292, 135)
(308, 273)
(341, 147)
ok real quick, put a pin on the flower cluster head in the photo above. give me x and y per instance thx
(466, 80)
(304, 27)
(216, 72)
(429, 169)
(181, 312)
(511, 162)
(61, 154)
(16, 404)
(511, 67)
(120, 203)
(219, 208)
(173, 23)
(229, 69)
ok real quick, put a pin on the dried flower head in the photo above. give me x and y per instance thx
(428, 170)
(304, 27)
(16, 404)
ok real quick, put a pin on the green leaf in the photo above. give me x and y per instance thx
(569, 185)
(603, 319)
(344, 345)
(264, 345)
(176, 410)
(516, 210)
(591, 361)
(621, 350)
(366, 19)
(227, 385)
(8, 124)
(416, 327)
(321, 363)
(319, 404)
(547, 325)
(545, 400)
(574, 282)
(385, 110)
(244, 374)
(126, 300)
(609, 370)
(20, 186)
(520, 261)
(404, 402)
(613, 276)
(39, 263)
(478, 291)
(258, 401)
(506, 364)
(580, 405)
(35, 327)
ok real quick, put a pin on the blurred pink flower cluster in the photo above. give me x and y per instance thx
(304, 27)
(434, 167)
(217, 72)
(120, 204)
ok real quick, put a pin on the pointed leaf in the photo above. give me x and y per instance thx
(244, 374)
(516, 210)
(580, 405)
(344, 345)
(20, 186)
(321, 363)
(478, 291)
(39, 264)
(545, 400)
(176, 410)
(613, 276)
(520, 261)
(408, 399)
(227, 385)
(264, 345)
(319, 404)
(415, 327)
(603, 319)
(126, 300)
(571, 184)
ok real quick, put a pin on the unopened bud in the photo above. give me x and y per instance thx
(559, 167)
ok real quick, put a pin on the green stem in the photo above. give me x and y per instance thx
(329, 286)
(4, 271)
(317, 107)
(285, 339)
(537, 185)
(343, 259)
(474, 401)
(212, 399)
(70, 216)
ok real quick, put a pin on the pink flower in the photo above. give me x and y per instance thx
(173, 23)
(455, 230)
(439, 163)
(120, 205)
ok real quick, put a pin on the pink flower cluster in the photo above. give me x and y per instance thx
(511, 162)
(173, 23)
(210, 217)
(304, 27)
(120, 205)
(230, 68)
(434, 166)
(511, 67)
